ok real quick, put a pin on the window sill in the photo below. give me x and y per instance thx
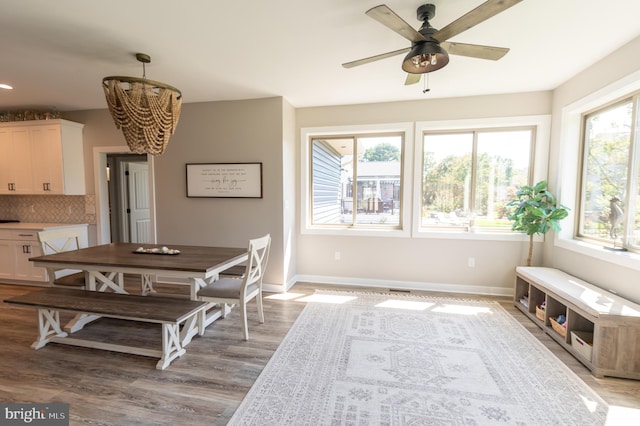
(623, 258)
(356, 232)
(476, 235)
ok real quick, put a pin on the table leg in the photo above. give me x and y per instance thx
(49, 327)
(147, 284)
(98, 281)
(210, 313)
(110, 280)
(79, 321)
(189, 329)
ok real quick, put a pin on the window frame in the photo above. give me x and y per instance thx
(568, 193)
(306, 136)
(474, 134)
(355, 178)
(541, 125)
(632, 179)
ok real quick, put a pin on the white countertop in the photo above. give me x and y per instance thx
(36, 225)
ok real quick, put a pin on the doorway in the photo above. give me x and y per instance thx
(125, 202)
(129, 213)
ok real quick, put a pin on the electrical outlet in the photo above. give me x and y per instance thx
(336, 255)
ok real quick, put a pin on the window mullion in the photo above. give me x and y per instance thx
(472, 184)
(354, 185)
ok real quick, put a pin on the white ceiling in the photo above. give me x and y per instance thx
(56, 52)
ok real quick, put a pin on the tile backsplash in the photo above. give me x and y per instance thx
(49, 208)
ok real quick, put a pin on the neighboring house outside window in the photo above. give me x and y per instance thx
(356, 180)
(609, 202)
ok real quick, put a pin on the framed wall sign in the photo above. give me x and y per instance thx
(224, 180)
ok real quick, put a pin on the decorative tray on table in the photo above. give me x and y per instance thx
(156, 250)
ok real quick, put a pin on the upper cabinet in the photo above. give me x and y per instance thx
(42, 157)
(15, 161)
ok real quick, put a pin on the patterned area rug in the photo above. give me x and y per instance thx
(389, 359)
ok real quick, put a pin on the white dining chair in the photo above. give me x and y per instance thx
(239, 291)
(58, 241)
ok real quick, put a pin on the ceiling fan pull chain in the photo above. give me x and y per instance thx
(426, 83)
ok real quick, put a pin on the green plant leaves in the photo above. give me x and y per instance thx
(535, 210)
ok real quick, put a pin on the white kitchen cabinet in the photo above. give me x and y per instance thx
(16, 172)
(24, 269)
(6, 259)
(16, 247)
(18, 243)
(48, 155)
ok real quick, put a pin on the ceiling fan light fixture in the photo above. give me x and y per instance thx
(425, 57)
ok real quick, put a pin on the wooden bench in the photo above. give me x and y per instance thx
(610, 322)
(168, 312)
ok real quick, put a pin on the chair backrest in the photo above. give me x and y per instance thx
(257, 262)
(61, 240)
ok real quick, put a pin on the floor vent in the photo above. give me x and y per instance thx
(395, 290)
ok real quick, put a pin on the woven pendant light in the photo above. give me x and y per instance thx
(147, 111)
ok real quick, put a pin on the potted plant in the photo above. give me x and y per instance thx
(536, 212)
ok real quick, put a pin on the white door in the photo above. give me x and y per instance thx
(138, 210)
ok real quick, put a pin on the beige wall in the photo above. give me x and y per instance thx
(607, 274)
(216, 132)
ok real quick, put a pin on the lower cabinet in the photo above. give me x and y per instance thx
(6, 259)
(16, 248)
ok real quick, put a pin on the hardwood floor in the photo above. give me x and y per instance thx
(203, 387)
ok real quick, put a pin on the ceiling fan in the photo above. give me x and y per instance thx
(430, 49)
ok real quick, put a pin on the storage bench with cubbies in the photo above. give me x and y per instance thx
(599, 328)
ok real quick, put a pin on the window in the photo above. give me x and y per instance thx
(356, 180)
(418, 179)
(609, 187)
(469, 176)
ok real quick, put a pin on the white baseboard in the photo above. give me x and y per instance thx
(400, 285)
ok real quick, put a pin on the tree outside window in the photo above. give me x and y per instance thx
(608, 205)
(468, 177)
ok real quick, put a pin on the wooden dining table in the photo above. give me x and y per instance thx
(197, 266)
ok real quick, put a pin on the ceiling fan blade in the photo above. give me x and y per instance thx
(389, 19)
(474, 50)
(375, 58)
(481, 13)
(412, 79)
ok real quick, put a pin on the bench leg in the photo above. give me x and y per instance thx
(49, 327)
(171, 347)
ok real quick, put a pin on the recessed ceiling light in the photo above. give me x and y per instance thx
(5, 86)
